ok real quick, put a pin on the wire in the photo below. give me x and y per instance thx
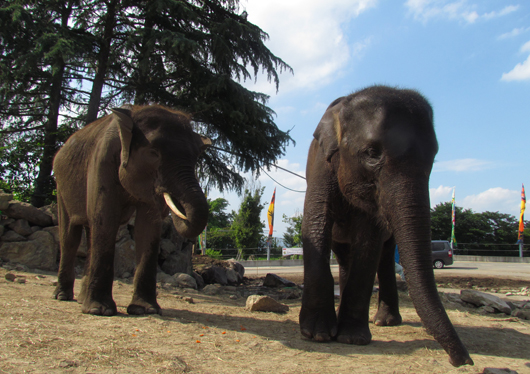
(287, 188)
(276, 166)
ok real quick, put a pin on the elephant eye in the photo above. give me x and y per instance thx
(373, 153)
(372, 156)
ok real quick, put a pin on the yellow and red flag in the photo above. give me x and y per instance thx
(270, 214)
(521, 218)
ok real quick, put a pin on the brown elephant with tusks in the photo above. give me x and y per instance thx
(367, 190)
(138, 159)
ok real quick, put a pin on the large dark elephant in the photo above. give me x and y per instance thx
(367, 189)
(143, 159)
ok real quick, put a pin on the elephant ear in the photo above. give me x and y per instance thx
(328, 131)
(125, 126)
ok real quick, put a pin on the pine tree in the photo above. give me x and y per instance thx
(188, 55)
(247, 228)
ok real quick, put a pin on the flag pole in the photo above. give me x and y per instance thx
(453, 220)
(520, 239)
(270, 216)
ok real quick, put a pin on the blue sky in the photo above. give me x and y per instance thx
(471, 59)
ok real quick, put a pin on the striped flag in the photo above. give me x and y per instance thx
(270, 214)
(453, 220)
(521, 218)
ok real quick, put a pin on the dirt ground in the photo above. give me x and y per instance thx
(215, 334)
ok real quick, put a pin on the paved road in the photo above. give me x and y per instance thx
(460, 268)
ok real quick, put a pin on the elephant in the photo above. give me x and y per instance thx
(137, 159)
(367, 173)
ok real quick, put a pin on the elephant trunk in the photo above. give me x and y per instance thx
(188, 205)
(409, 212)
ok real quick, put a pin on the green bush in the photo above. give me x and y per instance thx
(214, 254)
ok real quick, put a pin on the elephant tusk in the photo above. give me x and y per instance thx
(172, 206)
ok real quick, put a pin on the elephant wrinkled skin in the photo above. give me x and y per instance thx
(368, 174)
(137, 159)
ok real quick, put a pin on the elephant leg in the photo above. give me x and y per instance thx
(84, 284)
(353, 313)
(97, 286)
(318, 319)
(69, 237)
(388, 303)
(147, 238)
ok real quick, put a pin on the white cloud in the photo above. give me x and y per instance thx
(440, 194)
(514, 33)
(526, 47)
(520, 72)
(307, 35)
(425, 10)
(466, 164)
(494, 200)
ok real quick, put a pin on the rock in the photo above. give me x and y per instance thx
(487, 309)
(124, 257)
(54, 230)
(20, 279)
(233, 297)
(185, 281)
(273, 280)
(483, 299)
(198, 280)
(51, 210)
(232, 276)
(11, 236)
(21, 227)
(126, 275)
(521, 313)
(214, 274)
(166, 278)
(498, 371)
(166, 249)
(257, 303)
(240, 269)
(176, 263)
(212, 289)
(18, 209)
(10, 277)
(5, 198)
(39, 251)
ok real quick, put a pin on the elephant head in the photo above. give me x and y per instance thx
(158, 155)
(380, 143)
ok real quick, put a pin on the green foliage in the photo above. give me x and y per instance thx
(214, 254)
(186, 55)
(217, 216)
(247, 228)
(292, 237)
(471, 227)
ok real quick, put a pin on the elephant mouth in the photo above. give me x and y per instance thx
(173, 207)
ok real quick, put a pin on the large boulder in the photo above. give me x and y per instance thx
(5, 198)
(484, 299)
(259, 303)
(39, 251)
(273, 280)
(21, 227)
(35, 216)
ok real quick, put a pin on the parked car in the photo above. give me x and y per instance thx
(442, 254)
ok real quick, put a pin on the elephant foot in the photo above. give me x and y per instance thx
(106, 308)
(139, 307)
(384, 317)
(318, 324)
(63, 295)
(354, 333)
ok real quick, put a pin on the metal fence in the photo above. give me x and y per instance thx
(463, 249)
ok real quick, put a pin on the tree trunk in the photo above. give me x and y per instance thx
(102, 66)
(44, 183)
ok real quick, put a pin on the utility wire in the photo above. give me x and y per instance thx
(262, 169)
